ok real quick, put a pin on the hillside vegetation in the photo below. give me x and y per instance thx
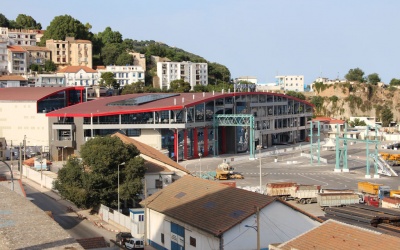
(343, 100)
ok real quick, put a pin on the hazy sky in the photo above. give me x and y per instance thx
(260, 38)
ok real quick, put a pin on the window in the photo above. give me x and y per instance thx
(193, 241)
(133, 132)
(141, 217)
(162, 238)
(159, 184)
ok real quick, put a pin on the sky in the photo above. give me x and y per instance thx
(260, 38)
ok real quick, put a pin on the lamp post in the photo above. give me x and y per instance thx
(118, 183)
(41, 172)
(200, 155)
(259, 150)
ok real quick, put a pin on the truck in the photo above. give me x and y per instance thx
(305, 194)
(280, 189)
(337, 199)
(374, 189)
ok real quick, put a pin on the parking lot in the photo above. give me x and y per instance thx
(293, 167)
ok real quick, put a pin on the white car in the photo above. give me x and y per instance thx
(133, 243)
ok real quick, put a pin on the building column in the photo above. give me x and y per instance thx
(176, 143)
(223, 142)
(195, 143)
(205, 138)
(185, 148)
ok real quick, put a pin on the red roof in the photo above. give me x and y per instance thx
(75, 69)
(328, 120)
(99, 106)
(16, 49)
(12, 78)
(29, 93)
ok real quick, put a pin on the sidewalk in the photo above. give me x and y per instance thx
(70, 208)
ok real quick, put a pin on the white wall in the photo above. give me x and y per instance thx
(150, 137)
(15, 125)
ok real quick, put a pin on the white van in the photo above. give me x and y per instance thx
(133, 243)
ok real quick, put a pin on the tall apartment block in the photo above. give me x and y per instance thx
(291, 83)
(19, 36)
(70, 52)
(193, 73)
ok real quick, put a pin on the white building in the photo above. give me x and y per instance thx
(9, 81)
(3, 57)
(251, 79)
(17, 60)
(194, 213)
(80, 76)
(193, 73)
(50, 80)
(19, 36)
(124, 74)
(291, 83)
(267, 87)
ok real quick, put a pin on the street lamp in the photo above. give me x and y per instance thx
(41, 172)
(259, 150)
(200, 155)
(118, 183)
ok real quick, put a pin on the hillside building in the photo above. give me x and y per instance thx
(70, 52)
(37, 55)
(124, 74)
(19, 36)
(193, 73)
(17, 60)
(291, 83)
(3, 57)
(79, 76)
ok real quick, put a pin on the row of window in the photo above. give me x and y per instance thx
(295, 78)
(192, 240)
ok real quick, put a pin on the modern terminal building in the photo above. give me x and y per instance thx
(185, 125)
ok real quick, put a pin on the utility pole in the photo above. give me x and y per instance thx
(258, 228)
(20, 161)
(145, 213)
(24, 147)
(11, 155)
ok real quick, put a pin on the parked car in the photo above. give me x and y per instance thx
(133, 243)
(122, 237)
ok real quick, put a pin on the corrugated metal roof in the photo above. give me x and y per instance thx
(101, 107)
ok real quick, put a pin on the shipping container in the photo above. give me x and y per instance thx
(305, 194)
(393, 193)
(389, 202)
(337, 199)
(327, 191)
(369, 188)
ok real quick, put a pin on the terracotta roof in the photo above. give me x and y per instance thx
(100, 67)
(16, 49)
(207, 205)
(29, 93)
(100, 107)
(328, 120)
(151, 152)
(35, 48)
(12, 78)
(338, 235)
(93, 243)
(75, 69)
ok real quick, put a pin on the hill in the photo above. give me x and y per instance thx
(343, 100)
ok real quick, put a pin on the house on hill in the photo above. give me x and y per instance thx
(194, 213)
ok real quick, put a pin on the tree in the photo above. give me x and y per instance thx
(180, 86)
(26, 22)
(357, 122)
(124, 59)
(374, 78)
(110, 53)
(109, 36)
(94, 179)
(137, 87)
(394, 82)
(386, 117)
(296, 94)
(50, 66)
(108, 80)
(65, 26)
(355, 75)
(200, 88)
(4, 22)
(318, 102)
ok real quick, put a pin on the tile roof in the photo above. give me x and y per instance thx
(28, 93)
(207, 205)
(328, 120)
(16, 48)
(12, 78)
(35, 48)
(99, 107)
(75, 69)
(151, 152)
(338, 235)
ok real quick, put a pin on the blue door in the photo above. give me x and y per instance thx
(177, 237)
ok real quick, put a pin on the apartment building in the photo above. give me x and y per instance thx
(291, 83)
(193, 73)
(37, 55)
(3, 57)
(70, 52)
(17, 60)
(251, 79)
(124, 74)
(19, 36)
